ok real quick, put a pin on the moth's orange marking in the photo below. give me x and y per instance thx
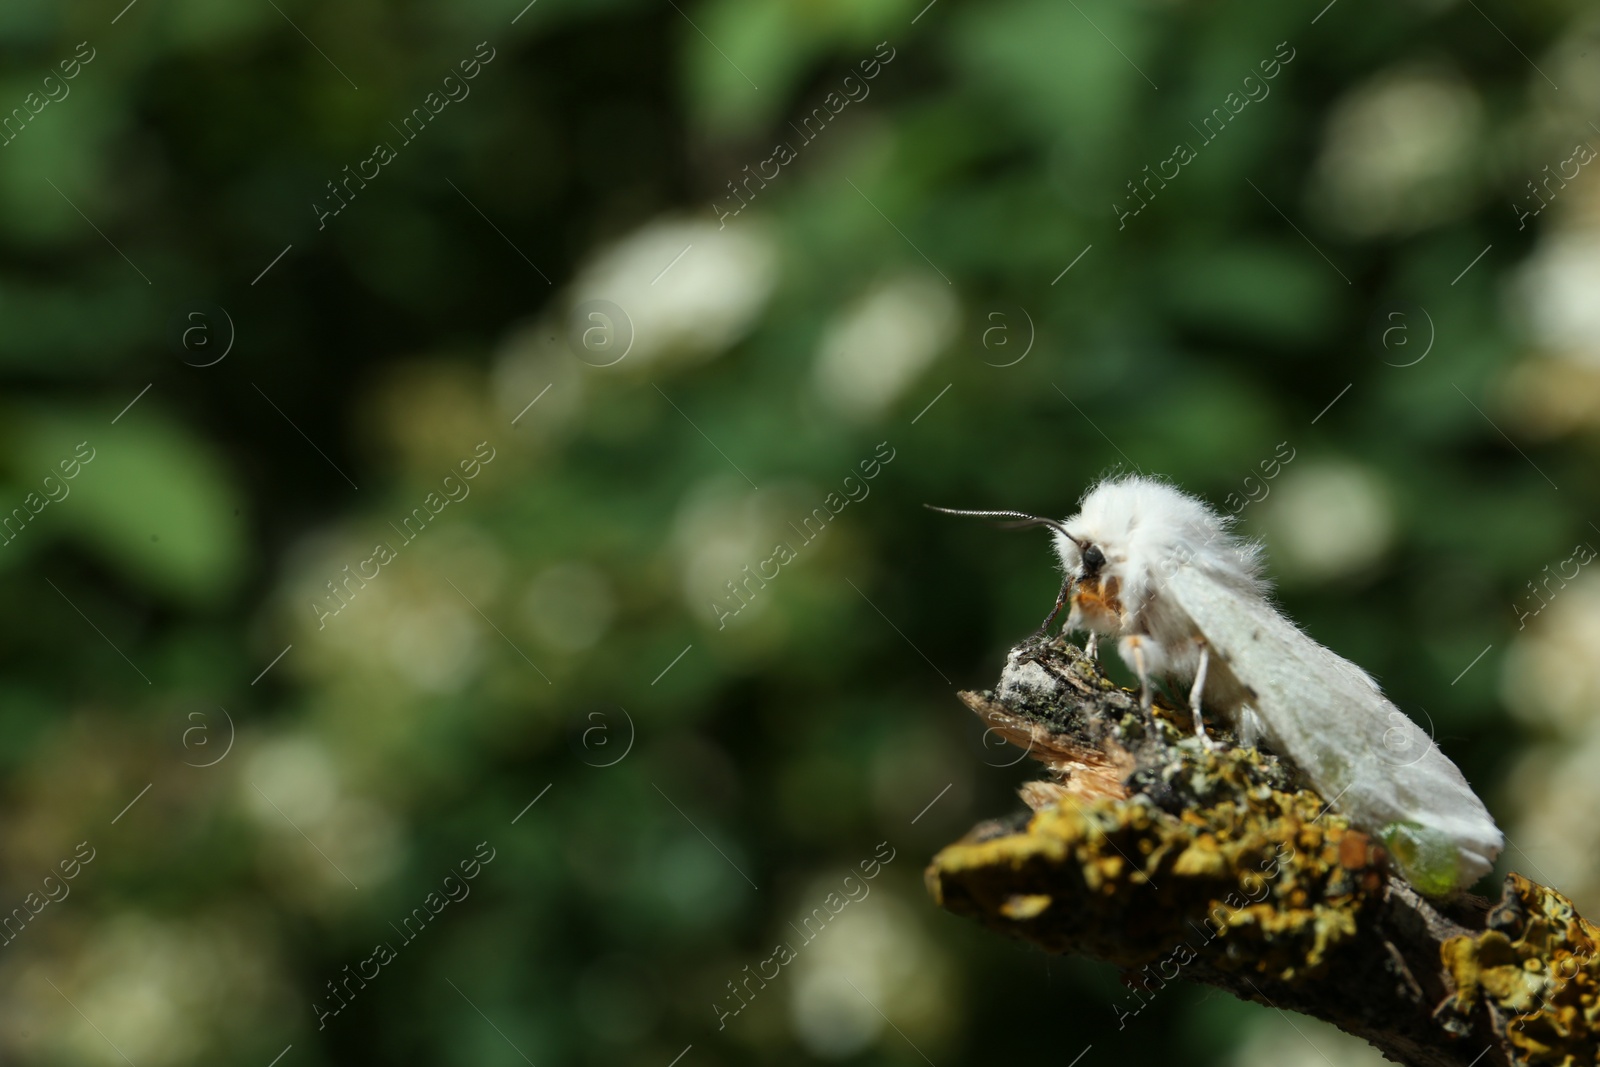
(1094, 597)
(1111, 587)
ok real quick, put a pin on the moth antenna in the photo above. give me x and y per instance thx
(1020, 520)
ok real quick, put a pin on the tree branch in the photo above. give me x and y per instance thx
(1146, 850)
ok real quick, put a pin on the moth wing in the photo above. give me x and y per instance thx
(1332, 721)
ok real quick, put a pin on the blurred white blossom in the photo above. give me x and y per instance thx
(1303, 1042)
(434, 641)
(319, 839)
(1552, 681)
(534, 364)
(1552, 677)
(870, 962)
(693, 307)
(1399, 152)
(723, 527)
(880, 345)
(1326, 519)
(1556, 287)
(161, 992)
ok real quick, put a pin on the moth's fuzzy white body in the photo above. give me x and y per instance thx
(1185, 597)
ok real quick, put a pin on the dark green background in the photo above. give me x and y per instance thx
(416, 325)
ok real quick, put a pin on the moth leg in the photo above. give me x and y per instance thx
(1091, 647)
(1194, 695)
(1144, 655)
(1061, 600)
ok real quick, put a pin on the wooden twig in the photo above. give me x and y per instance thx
(1146, 850)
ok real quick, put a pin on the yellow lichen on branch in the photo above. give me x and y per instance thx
(1175, 861)
(1132, 884)
(1536, 973)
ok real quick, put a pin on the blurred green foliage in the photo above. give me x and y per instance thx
(707, 787)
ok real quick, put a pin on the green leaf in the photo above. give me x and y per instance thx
(147, 497)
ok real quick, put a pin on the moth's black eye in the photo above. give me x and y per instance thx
(1093, 560)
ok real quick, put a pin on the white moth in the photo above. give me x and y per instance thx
(1162, 572)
